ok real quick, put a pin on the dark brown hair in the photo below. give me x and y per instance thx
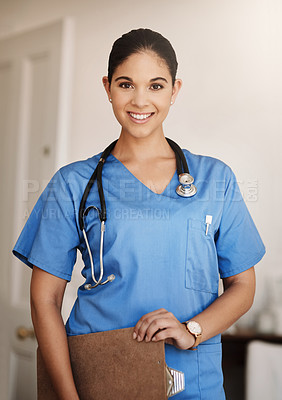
(137, 41)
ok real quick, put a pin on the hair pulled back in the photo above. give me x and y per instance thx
(138, 41)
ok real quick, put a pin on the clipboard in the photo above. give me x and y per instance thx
(112, 365)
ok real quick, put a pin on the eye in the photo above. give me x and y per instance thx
(156, 86)
(125, 85)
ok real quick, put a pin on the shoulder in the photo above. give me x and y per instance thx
(78, 170)
(71, 179)
(207, 167)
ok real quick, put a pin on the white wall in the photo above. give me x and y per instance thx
(230, 60)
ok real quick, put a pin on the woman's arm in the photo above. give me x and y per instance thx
(237, 299)
(47, 293)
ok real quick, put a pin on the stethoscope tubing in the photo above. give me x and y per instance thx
(94, 176)
(181, 163)
(99, 281)
(183, 173)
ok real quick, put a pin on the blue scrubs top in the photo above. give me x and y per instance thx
(157, 247)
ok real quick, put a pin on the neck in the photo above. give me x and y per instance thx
(142, 149)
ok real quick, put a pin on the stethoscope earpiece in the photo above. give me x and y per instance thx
(110, 278)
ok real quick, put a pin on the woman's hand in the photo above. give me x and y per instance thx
(237, 298)
(162, 325)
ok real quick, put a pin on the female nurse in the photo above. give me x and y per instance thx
(166, 252)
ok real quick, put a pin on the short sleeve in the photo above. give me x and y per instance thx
(238, 243)
(50, 237)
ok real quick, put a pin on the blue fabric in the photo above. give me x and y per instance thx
(156, 246)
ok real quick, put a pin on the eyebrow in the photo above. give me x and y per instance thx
(126, 78)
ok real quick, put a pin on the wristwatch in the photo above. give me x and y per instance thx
(195, 329)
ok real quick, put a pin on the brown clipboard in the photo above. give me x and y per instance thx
(111, 365)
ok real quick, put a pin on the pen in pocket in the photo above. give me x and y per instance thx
(208, 222)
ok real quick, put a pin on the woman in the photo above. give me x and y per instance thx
(165, 251)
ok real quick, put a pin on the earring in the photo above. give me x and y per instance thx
(110, 100)
(171, 102)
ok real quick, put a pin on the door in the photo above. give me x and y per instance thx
(35, 78)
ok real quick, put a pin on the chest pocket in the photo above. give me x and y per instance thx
(201, 258)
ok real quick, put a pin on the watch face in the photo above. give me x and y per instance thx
(194, 327)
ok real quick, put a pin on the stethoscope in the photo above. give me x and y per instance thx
(184, 189)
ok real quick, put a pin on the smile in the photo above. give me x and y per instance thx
(140, 117)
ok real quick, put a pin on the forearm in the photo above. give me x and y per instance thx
(52, 340)
(223, 312)
(46, 294)
(229, 307)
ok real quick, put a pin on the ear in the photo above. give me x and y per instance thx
(107, 86)
(175, 90)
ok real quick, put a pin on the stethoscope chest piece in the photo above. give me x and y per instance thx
(186, 187)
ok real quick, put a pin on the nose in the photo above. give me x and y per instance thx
(140, 98)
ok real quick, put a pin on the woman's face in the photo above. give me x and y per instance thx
(141, 91)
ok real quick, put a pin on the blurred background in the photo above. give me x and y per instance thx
(53, 110)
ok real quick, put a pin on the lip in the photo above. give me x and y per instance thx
(140, 121)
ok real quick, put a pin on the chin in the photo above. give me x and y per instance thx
(142, 131)
(140, 134)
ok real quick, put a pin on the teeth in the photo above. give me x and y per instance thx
(140, 116)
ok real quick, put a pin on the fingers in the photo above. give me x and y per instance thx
(163, 325)
(157, 325)
(165, 334)
(143, 323)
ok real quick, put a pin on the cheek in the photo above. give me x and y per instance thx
(120, 98)
(164, 105)
(118, 104)
(116, 111)
(164, 100)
